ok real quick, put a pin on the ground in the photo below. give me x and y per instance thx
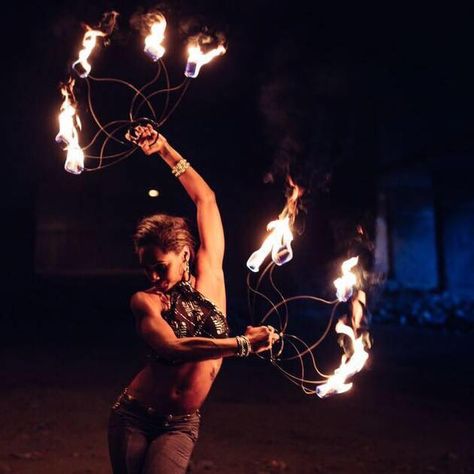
(409, 412)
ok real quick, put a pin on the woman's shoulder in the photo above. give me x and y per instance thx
(144, 299)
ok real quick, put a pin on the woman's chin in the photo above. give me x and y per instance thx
(170, 285)
(165, 286)
(162, 287)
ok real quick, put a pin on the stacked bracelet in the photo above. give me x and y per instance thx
(243, 346)
(180, 167)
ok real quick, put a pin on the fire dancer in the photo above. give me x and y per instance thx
(155, 422)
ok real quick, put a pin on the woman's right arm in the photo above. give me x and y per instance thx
(209, 258)
(157, 333)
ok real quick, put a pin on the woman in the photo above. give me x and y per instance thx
(155, 422)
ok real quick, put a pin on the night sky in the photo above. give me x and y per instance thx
(340, 94)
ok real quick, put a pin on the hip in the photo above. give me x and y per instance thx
(130, 413)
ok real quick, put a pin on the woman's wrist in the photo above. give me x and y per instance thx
(170, 155)
(174, 160)
(164, 150)
(244, 349)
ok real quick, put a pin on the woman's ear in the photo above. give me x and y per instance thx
(186, 254)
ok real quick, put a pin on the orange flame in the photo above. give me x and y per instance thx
(344, 284)
(291, 207)
(153, 46)
(69, 124)
(89, 41)
(279, 241)
(349, 365)
(196, 56)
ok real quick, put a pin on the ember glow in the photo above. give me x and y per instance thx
(69, 126)
(344, 284)
(153, 46)
(82, 66)
(280, 238)
(196, 56)
(337, 383)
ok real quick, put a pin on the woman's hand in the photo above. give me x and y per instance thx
(261, 337)
(148, 139)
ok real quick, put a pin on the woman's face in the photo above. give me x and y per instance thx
(164, 269)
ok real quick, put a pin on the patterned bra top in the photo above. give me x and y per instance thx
(191, 314)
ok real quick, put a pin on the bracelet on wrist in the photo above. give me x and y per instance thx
(243, 346)
(180, 167)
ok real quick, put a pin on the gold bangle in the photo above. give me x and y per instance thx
(180, 167)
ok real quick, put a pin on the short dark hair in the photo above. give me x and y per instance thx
(169, 233)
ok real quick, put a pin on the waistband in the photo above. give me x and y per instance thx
(128, 400)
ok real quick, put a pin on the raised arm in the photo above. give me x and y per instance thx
(211, 232)
(211, 251)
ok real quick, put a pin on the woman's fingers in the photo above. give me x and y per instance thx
(268, 337)
(262, 337)
(147, 138)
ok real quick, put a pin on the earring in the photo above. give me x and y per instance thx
(187, 271)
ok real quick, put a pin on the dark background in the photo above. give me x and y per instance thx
(350, 97)
(363, 103)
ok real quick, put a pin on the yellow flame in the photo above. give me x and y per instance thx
(89, 41)
(197, 58)
(347, 281)
(349, 366)
(69, 124)
(153, 46)
(278, 243)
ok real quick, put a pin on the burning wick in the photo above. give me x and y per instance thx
(349, 365)
(353, 363)
(69, 124)
(346, 282)
(153, 46)
(197, 58)
(279, 241)
(82, 66)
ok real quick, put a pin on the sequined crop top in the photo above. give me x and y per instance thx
(191, 314)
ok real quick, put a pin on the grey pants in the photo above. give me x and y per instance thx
(141, 442)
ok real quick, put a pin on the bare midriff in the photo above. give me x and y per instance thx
(176, 389)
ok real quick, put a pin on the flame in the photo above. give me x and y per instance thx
(153, 46)
(346, 282)
(279, 241)
(349, 365)
(74, 160)
(89, 41)
(196, 56)
(69, 124)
